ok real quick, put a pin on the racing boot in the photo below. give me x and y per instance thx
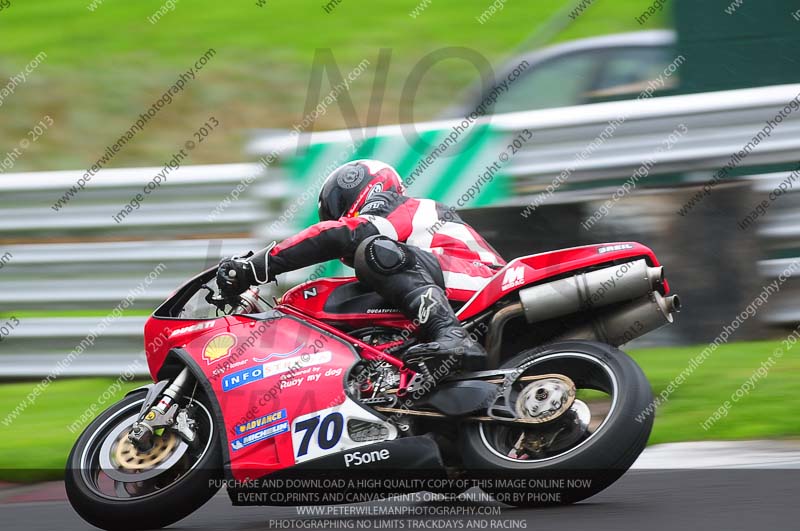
(449, 346)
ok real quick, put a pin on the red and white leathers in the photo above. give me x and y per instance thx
(465, 257)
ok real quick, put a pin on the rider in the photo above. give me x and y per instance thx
(415, 253)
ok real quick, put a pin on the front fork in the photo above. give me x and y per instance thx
(160, 411)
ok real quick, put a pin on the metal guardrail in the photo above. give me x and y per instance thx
(65, 264)
(26, 200)
(39, 344)
(718, 125)
(80, 259)
(97, 275)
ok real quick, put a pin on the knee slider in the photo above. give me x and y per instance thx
(386, 256)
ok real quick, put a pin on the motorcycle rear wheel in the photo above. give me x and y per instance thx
(113, 487)
(596, 458)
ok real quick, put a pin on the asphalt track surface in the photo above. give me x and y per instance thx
(758, 493)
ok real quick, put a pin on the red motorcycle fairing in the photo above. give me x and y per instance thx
(536, 268)
(162, 335)
(311, 297)
(279, 384)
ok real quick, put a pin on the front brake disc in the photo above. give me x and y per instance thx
(120, 463)
(129, 459)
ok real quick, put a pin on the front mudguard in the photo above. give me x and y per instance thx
(154, 390)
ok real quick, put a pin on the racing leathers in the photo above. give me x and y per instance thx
(416, 253)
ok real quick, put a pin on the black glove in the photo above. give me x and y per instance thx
(234, 277)
(236, 274)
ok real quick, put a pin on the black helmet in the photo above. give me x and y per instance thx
(347, 188)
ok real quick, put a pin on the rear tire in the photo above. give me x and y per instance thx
(164, 506)
(600, 458)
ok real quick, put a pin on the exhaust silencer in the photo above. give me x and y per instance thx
(628, 322)
(595, 289)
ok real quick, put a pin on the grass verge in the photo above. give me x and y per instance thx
(34, 446)
(767, 408)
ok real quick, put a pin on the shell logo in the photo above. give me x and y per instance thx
(218, 347)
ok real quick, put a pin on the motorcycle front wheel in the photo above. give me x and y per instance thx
(113, 486)
(582, 451)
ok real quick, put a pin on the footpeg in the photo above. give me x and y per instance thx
(430, 370)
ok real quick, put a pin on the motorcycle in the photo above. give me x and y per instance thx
(312, 386)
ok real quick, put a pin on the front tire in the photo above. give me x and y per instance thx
(597, 458)
(150, 491)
